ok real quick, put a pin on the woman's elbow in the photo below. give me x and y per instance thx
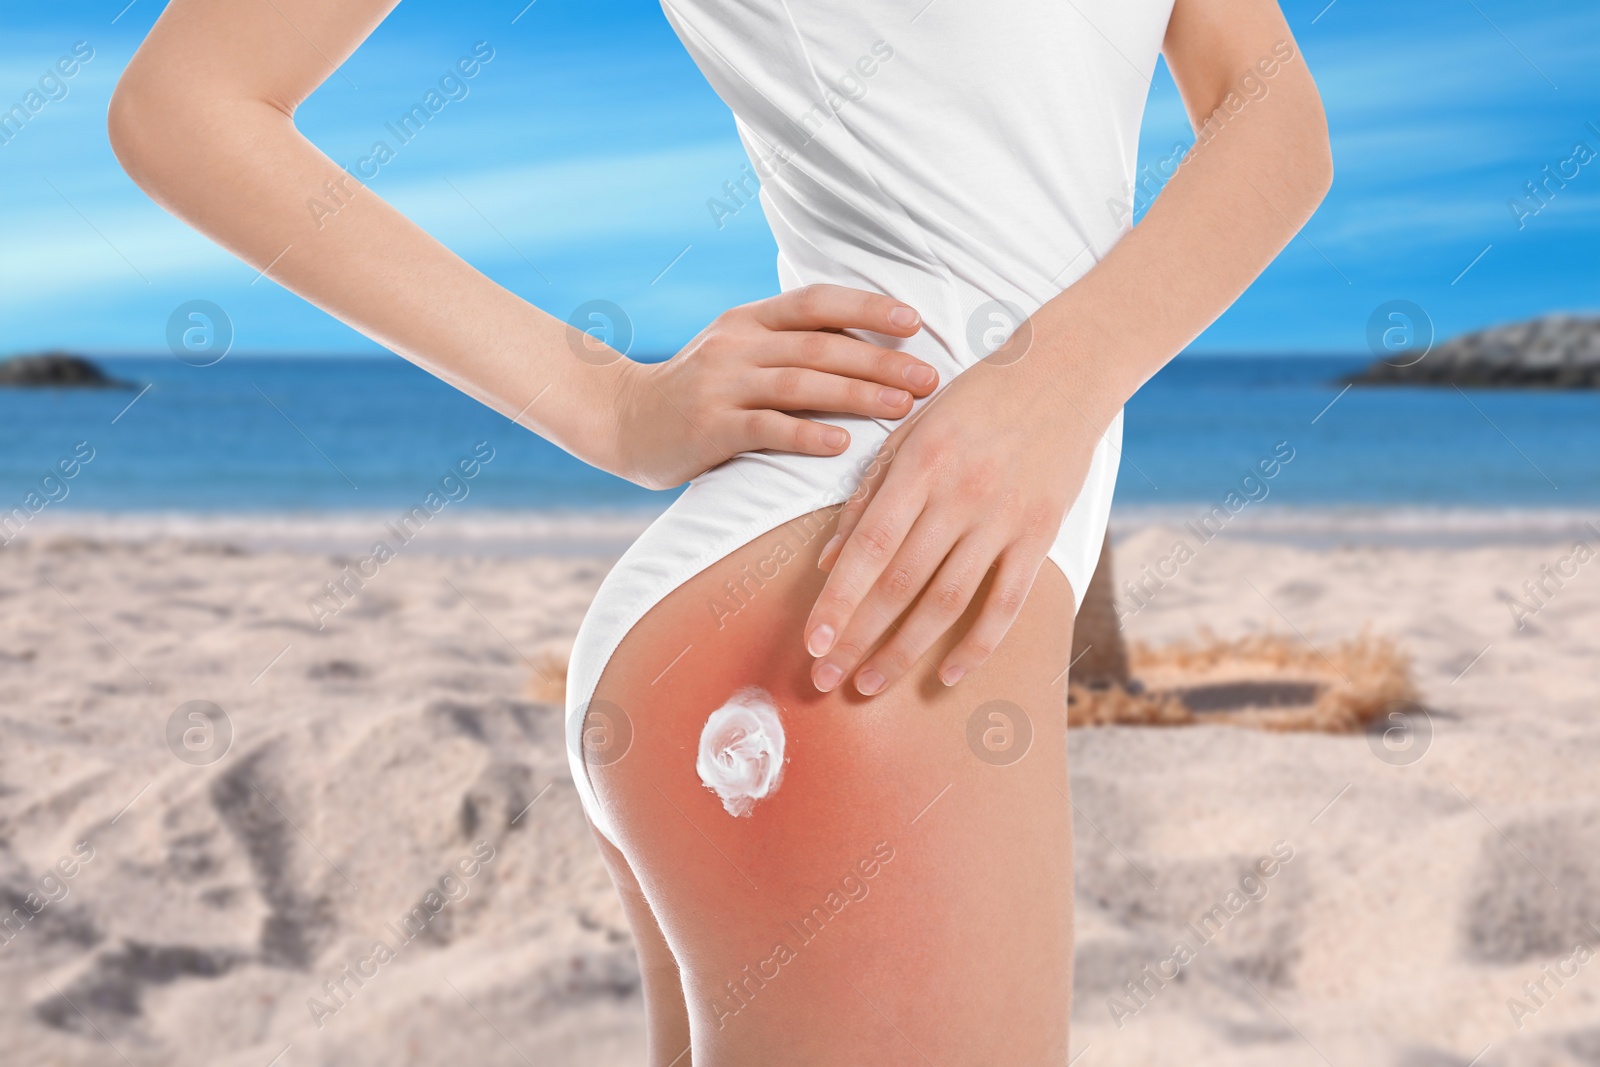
(166, 131)
(134, 126)
(1313, 152)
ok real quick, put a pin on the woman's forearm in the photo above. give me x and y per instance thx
(203, 121)
(229, 161)
(1241, 193)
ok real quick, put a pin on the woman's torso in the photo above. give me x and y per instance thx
(969, 161)
(949, 153)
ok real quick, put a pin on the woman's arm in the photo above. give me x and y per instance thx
(203, 120)
(1257, 171)
(976, 479)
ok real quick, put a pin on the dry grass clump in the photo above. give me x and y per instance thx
(1116, 706)
(547, 681)
(1267, 681)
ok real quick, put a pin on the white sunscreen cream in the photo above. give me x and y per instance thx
(741, 751)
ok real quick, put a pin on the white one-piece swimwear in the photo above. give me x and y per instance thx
(969, 159)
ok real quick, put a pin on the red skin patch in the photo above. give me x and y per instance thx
(938, 882)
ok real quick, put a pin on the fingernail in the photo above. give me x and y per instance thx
(834, 437)
(820, 641)
(921, 375)
(832, 544)
(953, 675)
(869, 682)
(827, 676)
(894, 397)
(904, 317)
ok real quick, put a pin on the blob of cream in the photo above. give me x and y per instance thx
(741, 751)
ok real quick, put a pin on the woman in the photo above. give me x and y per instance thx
(824, 746)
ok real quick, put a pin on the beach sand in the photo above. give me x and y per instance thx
(216, 897)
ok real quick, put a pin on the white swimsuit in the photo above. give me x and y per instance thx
(970, 159)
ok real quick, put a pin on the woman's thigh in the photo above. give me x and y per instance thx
(905, 893)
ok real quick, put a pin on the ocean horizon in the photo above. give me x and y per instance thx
(371, 434)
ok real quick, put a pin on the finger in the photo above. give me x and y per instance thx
(764, 428)
(866, 553)
(839, 354)
(834, 307)
(856, 506)
(892, 595)
(1001, 605)
(798, 389)
(942, 602)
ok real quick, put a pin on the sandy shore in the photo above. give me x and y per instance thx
(225, 872)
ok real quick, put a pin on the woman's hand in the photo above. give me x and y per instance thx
(729, 389)
(982, 476)
(985, 473)
(203, 119)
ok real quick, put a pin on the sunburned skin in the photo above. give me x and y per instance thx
(741, 751)
(776, 897)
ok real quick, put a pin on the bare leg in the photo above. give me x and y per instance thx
(666, 1017)
(905, 895)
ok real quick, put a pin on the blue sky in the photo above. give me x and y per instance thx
(579, 166)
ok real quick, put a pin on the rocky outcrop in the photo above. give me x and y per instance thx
(55, 370)
(1553, 352)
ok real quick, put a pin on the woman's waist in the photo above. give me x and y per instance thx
(969, 311)
(768, 479)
